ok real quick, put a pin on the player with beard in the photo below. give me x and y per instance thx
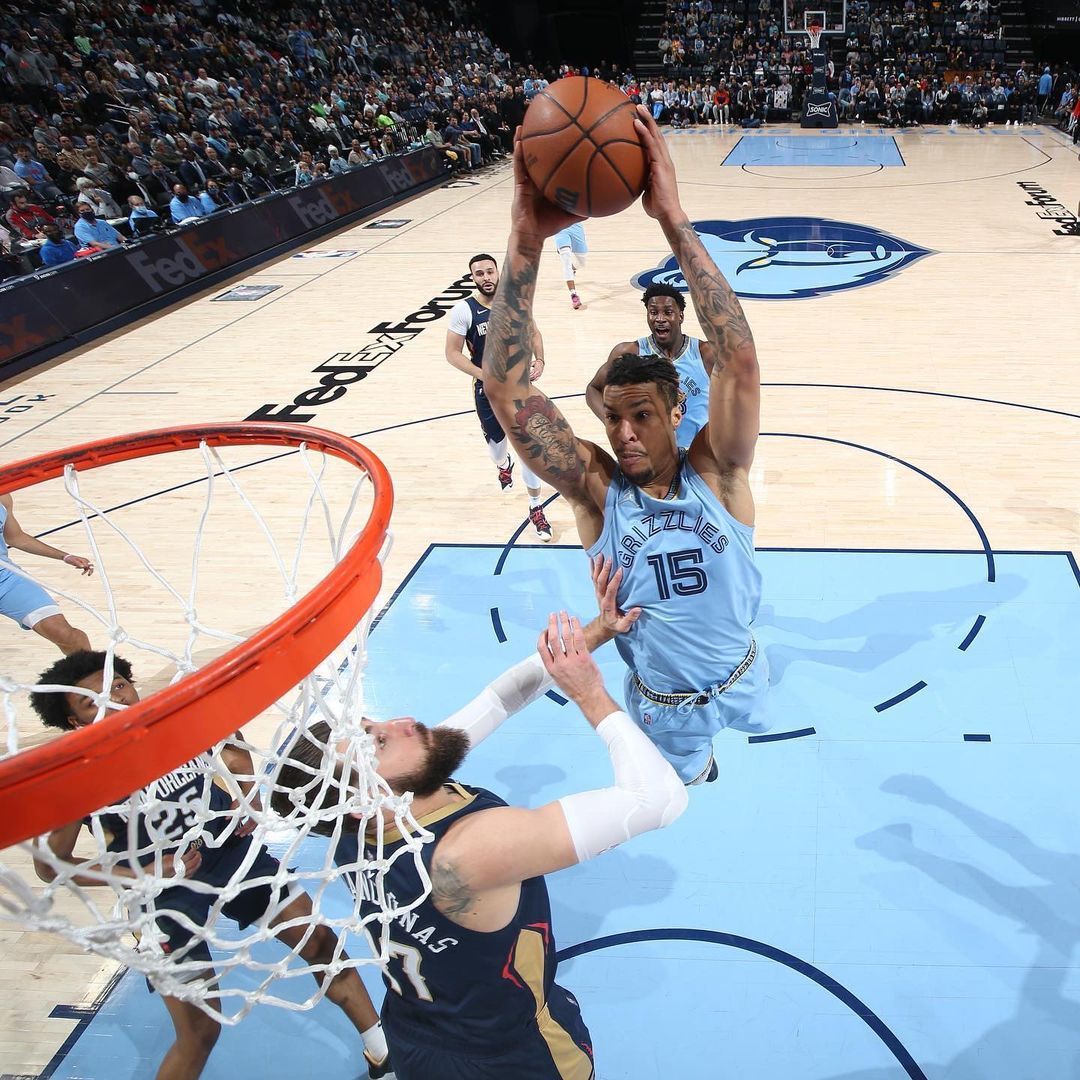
(468, 328)
(678, 522)
(693, 359)
(471, 991)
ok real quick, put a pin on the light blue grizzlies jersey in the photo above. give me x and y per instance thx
(693, 381)
(690, 566)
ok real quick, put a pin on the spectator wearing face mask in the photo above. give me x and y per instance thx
(142, 219)
(95, 233)
(184, 207)
(212, 198)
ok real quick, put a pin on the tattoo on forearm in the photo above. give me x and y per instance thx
(717, 306)
(509, 346)
(449, 893)
(541, 433)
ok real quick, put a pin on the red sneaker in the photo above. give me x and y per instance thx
(540, 523)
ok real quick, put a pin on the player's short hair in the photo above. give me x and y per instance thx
(482, 257)
(664, 290)
(630, 369)
(52, 707)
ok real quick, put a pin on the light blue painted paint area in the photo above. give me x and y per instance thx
(877, 900)
(846, 149)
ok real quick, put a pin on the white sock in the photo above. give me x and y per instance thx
(534, 501)
(375, 1042)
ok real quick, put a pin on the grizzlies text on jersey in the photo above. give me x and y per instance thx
(694, 665)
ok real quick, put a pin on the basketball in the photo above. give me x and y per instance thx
(581, 149)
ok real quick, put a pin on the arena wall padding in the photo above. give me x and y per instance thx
(57, 309)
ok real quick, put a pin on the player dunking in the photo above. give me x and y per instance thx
(692, 357)
(678, 523)
(471, 987)
(27, 602)
(572, 247)
(468, 327)
(191, 792)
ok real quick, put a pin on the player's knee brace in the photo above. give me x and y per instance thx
(567, 258)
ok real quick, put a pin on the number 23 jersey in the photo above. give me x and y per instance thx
(690, 566)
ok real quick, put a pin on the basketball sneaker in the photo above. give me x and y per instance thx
(506, 476)
(379, 1070)
(575, 300)
(540, 523)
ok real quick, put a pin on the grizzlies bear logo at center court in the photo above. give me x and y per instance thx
(790, 258)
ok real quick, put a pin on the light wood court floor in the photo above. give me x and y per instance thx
(912, 402)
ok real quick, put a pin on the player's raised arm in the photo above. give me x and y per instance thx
(536, 426)
(735, 381)
(594, 392)
(508, 845)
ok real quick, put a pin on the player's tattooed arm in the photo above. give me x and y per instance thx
(510, 336)
(535, 424)
(450, 893)
(715, 302)
(735, 378)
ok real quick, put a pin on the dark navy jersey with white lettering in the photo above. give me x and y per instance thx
(480, 995)
(179, 802)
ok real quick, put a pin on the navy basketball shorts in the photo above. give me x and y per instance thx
(491, 427)
(178, 940)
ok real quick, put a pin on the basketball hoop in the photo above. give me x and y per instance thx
(815, 31)
(303, 663)
(68, 778)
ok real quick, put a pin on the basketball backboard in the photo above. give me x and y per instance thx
(831, 15)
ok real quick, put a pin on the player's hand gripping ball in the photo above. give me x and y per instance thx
(581, 149)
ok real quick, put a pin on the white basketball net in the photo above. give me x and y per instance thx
(113, 887)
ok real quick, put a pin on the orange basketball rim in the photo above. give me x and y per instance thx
(48, 786)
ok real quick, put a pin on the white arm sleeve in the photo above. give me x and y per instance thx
(648, 793)
(460, 318)
(521, 685)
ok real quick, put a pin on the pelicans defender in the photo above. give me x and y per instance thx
(468, 329)
(191, 811)
(678, 522)
(692, 357)
(471, 980)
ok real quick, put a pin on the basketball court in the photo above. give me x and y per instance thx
(884, 885)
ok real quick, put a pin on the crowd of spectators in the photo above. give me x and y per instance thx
(900, 63)
(120, 119)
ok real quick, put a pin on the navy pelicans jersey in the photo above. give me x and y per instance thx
(693, 381)
(469, 318)
(488, 998)
(690, 566)
(183, 797)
